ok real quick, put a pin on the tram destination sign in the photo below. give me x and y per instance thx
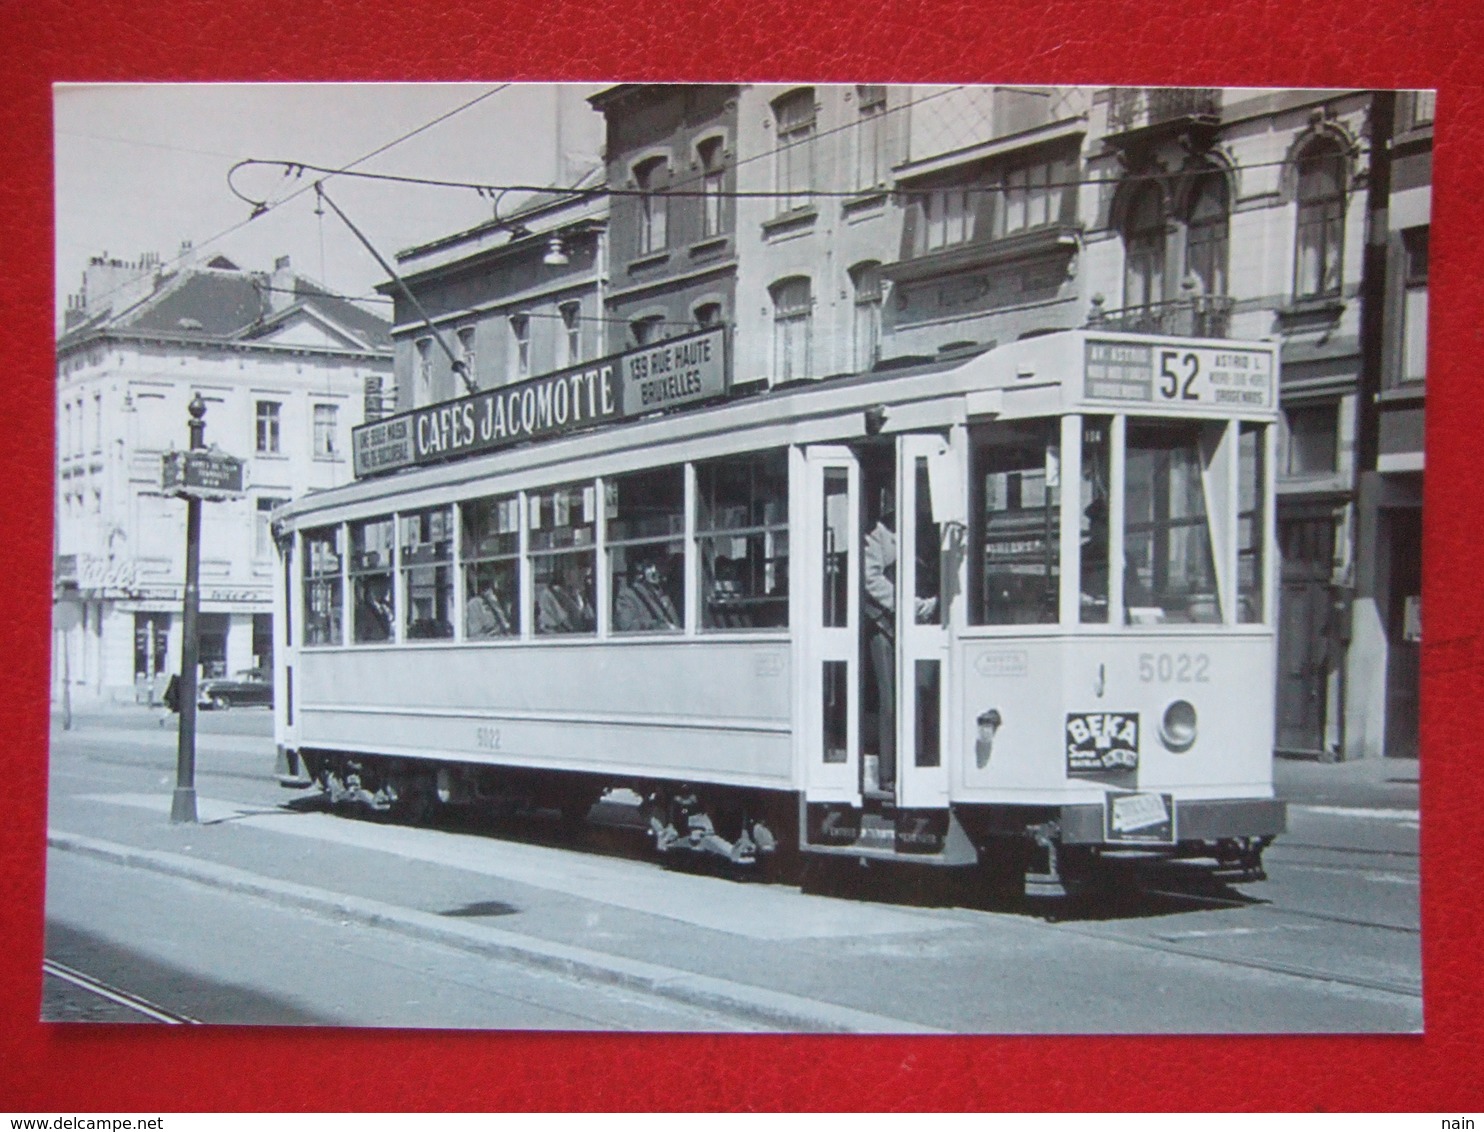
(1178, 376)
(662, 376)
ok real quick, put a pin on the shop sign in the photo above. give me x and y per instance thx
(677, 372)
(1178, 376)
(203, 473)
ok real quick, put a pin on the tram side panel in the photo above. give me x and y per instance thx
(703, 712)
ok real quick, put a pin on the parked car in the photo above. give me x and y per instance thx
(248, 687)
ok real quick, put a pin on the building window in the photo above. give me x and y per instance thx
(870, 137)
(644, 528)
(427, 573)
(713, 177)
(653, 209)
(1321, 222)
(793, 310)
(263, 528)
(97, 422)
(491, 555)
(1313, 439)
(866, 278)
(571, 340)
(67, 428)
(1424, 108)
(466, 353)
(646, 330)
(1037, 193)
(1414, 304)
(742, 539)
(520, 346)
(707, 315)
(326, 440)
(1144, 251)
(948, 217)
(424, 349)
(794, 169)
(1206, 236)
(268, 428)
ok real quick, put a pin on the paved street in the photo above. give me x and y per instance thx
(274, 910)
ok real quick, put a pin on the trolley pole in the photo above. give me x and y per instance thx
(183, 804)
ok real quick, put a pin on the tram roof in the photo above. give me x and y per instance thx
(1031, 370)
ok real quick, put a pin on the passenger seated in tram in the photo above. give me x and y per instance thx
(565, 604)
(487, 613)
(642, 605)
(724, 598)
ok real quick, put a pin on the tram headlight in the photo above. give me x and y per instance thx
(1177, 727)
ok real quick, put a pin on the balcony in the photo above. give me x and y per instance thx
(1199, 316)
(1141, 114)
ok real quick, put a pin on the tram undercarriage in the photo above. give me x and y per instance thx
(1046, 851)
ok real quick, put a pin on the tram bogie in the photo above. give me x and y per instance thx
(1014, 613)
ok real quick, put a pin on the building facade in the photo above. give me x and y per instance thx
(283, 368)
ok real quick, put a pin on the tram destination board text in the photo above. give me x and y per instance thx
(680, 371)
(1177, 375)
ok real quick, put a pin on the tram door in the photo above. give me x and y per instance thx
(831, 599)
(923, 465)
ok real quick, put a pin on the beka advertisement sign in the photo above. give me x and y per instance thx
(667, 374)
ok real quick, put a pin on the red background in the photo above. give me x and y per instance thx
(1314, 43)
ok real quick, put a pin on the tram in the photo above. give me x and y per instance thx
(1014, 609)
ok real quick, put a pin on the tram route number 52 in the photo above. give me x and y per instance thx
(1177, 374)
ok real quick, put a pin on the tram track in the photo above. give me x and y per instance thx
(116, 995)
(1280, 909)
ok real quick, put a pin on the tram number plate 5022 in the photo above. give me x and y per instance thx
(1174, 668)
(487, 738)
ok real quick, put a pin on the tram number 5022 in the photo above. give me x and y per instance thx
(1174, 668)
(1177, 374)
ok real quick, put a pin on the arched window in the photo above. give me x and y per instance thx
(794, 171)
(1207, 235)
(793, 310)
(653, 216)
(1144, 251)
(711, 156)
(866, 278)
(1320, 234)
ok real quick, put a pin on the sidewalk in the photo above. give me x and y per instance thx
(1387, 784)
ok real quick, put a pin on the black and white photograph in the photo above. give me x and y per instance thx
(738, 558)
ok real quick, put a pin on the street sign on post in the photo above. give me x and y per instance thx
(208, 474)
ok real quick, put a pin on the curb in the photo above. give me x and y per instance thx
(773, 1008)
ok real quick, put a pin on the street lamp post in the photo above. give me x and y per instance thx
(183, 804)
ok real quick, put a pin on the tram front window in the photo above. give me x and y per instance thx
(742, 538)
(562, 522)
(1015, 531)
(1169, 571)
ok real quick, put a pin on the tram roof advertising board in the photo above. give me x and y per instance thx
(1176, 374)
(665, 375)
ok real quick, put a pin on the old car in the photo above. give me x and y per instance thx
(252, 686)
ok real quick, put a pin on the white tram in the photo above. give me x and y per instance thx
(1015, 608)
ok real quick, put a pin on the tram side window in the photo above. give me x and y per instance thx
(371, 580)
(491, 553)
(1169, 573)
(644, 528)
(322, 593)
(1251, 521)
(427, 573)
(742, 538)
(563, 558)
(1015, 531)
(1096, 436)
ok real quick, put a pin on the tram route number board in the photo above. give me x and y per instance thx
(1178, 376)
